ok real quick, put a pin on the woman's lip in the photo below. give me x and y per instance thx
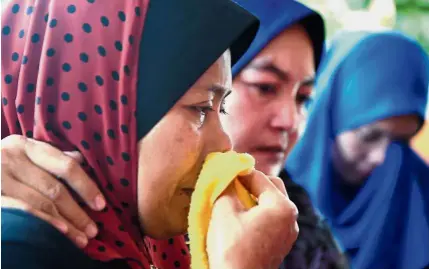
(272, 149)
(269, 154)
(366, 172)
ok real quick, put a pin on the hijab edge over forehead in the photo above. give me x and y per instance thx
(351, 48)
(276, 16)
(199, 35)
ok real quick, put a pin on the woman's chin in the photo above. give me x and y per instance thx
(268, 168)
(166, 234)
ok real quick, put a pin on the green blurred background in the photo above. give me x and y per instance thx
(410, 16)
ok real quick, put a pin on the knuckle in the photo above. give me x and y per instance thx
(294, 232)
(12, 151)
(259, 174)
(69, 167)
(274, 178)
(288, 211)
(295, 211)
(49, 208)
(56, 191)
(296, 229)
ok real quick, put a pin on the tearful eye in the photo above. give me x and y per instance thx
(223, 111)
(222, 108)
(202, 112)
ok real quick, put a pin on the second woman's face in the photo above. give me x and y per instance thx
(267, 105)
(172, 154)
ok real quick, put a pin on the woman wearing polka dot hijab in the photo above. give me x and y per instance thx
(137, 88)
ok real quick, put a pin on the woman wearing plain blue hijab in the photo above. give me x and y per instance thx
(354, 157)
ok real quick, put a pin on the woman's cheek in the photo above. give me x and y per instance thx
(292, 139)
(190, 142)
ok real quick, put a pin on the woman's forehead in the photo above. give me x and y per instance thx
(219, 73)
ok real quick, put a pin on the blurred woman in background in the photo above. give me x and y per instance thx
(354, 157)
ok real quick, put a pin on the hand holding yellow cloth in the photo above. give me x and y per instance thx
(219, 171)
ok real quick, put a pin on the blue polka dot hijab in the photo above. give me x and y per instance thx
(83, 75)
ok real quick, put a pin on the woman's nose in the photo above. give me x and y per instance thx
(285, 116)
(378, 155)
(219, 140)
(224, 142)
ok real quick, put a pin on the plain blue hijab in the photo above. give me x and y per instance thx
(275, 17)
(366, 77)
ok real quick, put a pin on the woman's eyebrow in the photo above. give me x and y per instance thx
(220, 90)
(269, 67)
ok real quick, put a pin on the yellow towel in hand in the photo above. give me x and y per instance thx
(218, 172)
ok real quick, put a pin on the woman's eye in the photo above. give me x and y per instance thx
(265, 88)
(203, 111)
(302, 98)
(223, 111)
(222, 108)
(372, 137)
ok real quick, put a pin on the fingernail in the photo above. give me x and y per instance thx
(61, 226)
(81, 241)
(99, 202)
(91, 231)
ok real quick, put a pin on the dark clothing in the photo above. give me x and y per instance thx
(315, 247)
(31, 243)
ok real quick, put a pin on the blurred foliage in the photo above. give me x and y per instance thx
(413, 18)
(409, 16)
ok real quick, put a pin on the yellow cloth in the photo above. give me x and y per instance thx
(218, 172)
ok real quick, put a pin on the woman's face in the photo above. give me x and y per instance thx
(172, 153)
(267, 105)
(357, 152)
